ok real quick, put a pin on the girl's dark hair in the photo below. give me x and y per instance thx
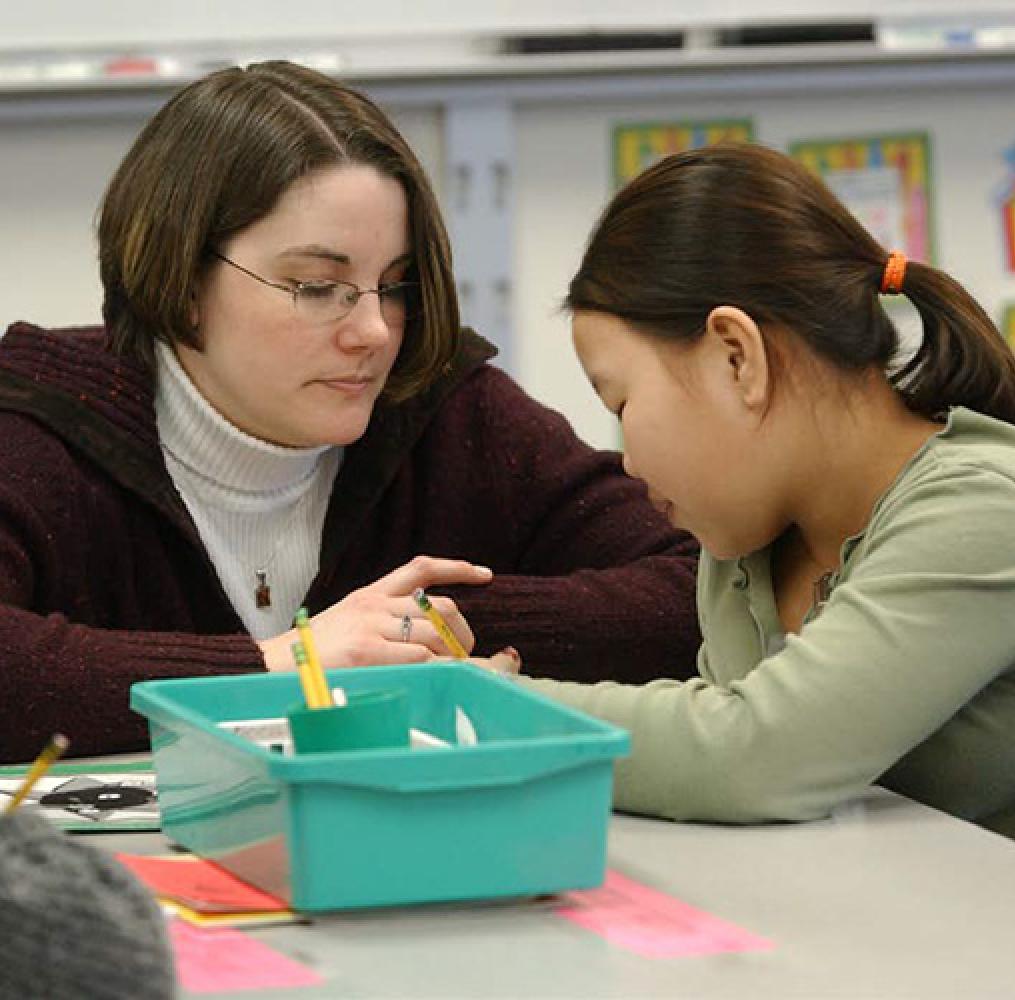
(747, 226)
(217, 158)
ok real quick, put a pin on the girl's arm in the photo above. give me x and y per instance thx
(917, 644)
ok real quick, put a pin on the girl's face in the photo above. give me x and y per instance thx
(688, 430)
(274, 371)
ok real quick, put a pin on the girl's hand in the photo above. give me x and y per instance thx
(381, 623)
(507, 661)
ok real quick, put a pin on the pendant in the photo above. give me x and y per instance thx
(822, 590)
(262, 593)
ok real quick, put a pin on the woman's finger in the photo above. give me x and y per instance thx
(401, 652)
(428, 571)
(406, 607)
(419, 630)
(376, 650)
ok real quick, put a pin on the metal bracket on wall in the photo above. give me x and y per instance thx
(479, 196)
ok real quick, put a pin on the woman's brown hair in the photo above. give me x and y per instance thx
(747, 226)
(215, 159)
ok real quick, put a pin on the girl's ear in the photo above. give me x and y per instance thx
(741, 346)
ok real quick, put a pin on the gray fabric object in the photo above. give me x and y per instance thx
(74, 923)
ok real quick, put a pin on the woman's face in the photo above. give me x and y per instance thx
(686, 433)
(274, 371)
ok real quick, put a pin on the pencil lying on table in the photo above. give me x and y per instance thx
(51, 752)
(456, 649)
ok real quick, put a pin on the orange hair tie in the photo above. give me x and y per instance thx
(895, 273)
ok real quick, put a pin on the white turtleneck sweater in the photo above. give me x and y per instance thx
(258, 507)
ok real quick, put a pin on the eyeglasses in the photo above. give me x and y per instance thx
(328, 301)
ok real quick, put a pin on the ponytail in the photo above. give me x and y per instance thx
(963, 359)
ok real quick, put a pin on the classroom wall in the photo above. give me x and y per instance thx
(51, 176)
(565, 175)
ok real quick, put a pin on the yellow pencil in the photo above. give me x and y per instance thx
(310, 693)
(52, 751)
(456, 649)
(322, 697)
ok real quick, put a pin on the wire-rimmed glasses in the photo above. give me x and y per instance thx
(329, 301)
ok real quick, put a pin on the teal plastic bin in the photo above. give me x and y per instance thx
(523, 812)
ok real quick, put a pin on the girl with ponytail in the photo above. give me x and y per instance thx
(857, 581)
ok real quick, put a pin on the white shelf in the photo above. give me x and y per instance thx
(61, 92)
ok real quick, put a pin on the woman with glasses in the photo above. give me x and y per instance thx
(281, 409)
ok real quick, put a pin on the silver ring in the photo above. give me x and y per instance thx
(405, 631)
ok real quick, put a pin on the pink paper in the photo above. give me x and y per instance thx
(217, 961)
(653, 924)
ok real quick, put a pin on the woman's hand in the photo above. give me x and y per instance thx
(381, 623)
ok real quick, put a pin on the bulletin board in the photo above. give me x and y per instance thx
(1008, 324)
(1005, 199)
(884, 180)
(637, 145)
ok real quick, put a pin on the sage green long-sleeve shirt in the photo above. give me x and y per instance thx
(907, 675)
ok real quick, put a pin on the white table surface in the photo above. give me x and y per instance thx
(888, 899)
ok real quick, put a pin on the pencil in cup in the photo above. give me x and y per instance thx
(456, 649)
(311, 690)
(315, 686)
(51, 752)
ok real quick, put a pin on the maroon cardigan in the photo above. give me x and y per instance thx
(104, 580)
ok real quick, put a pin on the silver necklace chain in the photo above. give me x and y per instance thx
(260, 568)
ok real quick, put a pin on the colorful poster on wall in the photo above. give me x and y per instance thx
(1008, 324)
(885, 182)
(1006, 207)
(638, 145)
